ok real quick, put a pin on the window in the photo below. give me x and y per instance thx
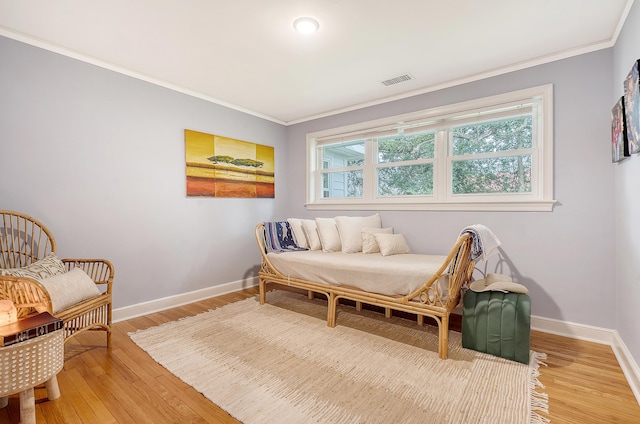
(326, 188)
(487, 154)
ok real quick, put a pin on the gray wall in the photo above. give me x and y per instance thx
(565, 257)
(99, 158)
(627, 201)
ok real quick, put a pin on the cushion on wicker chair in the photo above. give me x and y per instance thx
(69, 289)
(48, 266)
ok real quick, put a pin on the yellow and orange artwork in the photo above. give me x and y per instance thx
(218, 166)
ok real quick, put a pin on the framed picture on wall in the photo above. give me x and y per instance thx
(632, 108)
(218, 166)
(619, 144)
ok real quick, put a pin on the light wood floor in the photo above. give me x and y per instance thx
(124, 385)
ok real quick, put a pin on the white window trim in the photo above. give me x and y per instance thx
(542, 200)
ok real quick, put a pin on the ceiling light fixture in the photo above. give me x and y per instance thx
(306, 25)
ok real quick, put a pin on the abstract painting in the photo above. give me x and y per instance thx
(632, 107)
(619, 145)
(218, 166)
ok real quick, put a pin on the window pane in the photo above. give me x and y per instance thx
(511, 174)
(412, 180)
(342, 184)
(342, 155)
(494, 136)
(400, 148)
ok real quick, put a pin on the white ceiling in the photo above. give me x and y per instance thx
(246, 55)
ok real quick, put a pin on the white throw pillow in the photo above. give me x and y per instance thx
(329, 236)
(392, 244)
(69, 288)
(48, 266)
(350, 230)
(298, 232)
(311, 233)
(369, 243)
(442, 285)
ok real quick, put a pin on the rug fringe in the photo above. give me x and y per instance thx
(539, 402)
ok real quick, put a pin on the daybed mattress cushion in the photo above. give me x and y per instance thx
(372, 272)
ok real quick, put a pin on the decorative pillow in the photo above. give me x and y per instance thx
(392, 244)
(48, 266)
(298, 232)
(369, 243)
(350, 230)
(69, 288)
(328, 232)
(311, 234)
(442, 285)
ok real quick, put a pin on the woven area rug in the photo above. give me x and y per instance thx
(280, 363)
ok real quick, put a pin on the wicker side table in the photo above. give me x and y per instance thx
(27, 364)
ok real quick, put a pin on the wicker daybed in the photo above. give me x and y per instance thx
(436, 297)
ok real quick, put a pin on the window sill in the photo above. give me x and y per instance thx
(520, 206)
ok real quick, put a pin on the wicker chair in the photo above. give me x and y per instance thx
(24, 240)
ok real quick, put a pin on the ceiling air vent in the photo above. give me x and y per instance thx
(398, 79)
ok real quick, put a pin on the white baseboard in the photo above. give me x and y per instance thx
(157, 305)
(547, 325)
(573, 330)
(628, 365)
(597, 335)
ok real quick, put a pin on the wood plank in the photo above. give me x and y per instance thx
(85, 401)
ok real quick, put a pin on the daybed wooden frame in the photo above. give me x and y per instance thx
(424, 301)
(24, 240)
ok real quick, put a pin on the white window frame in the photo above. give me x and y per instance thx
(326, 188)
(539, 199)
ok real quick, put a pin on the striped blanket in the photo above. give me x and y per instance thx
(280, 238)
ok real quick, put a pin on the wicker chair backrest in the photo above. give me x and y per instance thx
(23, 240)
